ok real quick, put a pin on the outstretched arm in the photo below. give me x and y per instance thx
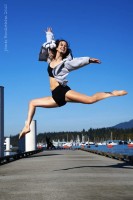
(77, 63)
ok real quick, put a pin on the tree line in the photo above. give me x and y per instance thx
(94, 135)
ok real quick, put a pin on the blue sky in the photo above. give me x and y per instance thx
(101, 29)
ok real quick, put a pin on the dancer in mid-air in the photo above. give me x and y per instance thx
(60, 63)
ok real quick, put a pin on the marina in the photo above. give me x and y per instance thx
(122, 152)
(118, 149)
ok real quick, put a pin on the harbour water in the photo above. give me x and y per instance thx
(118, 149)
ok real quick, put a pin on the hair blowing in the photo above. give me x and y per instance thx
(57, 44)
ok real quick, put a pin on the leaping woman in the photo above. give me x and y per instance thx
(60, 63)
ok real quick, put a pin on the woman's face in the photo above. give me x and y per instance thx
(62, 47)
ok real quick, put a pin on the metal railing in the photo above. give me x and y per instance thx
(10, 158)
(121, 157)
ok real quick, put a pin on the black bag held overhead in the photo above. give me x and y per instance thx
(43, 55)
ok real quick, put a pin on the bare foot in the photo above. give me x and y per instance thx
(25, 130)
(119, 92)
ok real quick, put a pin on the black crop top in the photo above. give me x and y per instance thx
(50, 71)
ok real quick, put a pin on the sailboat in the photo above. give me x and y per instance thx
(130, 143)
(110, 144)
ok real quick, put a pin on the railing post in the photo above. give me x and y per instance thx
(8, 144)
(30, 138)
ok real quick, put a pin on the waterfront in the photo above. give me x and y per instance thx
(118, 149)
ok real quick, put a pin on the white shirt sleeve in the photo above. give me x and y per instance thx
(76, 63)
(50, 42)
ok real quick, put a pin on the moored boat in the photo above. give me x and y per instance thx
(130, 144)
(111, 144)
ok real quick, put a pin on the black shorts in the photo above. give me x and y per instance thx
(58, 94)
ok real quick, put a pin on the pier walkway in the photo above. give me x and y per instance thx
(66, 175)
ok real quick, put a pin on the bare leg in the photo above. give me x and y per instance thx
(72, 96)
(46, 102)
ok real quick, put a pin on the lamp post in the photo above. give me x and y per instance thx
(1, 121)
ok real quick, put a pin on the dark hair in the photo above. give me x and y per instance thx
(57, 44)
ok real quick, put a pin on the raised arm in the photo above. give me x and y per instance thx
(45, 54)
(50, 42)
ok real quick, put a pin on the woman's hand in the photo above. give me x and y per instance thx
(94, 60)
(49, 29)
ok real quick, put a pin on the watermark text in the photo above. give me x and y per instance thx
(5, 28)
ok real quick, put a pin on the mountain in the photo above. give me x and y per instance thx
(124, 125)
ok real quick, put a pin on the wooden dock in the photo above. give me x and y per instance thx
(66, 175)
